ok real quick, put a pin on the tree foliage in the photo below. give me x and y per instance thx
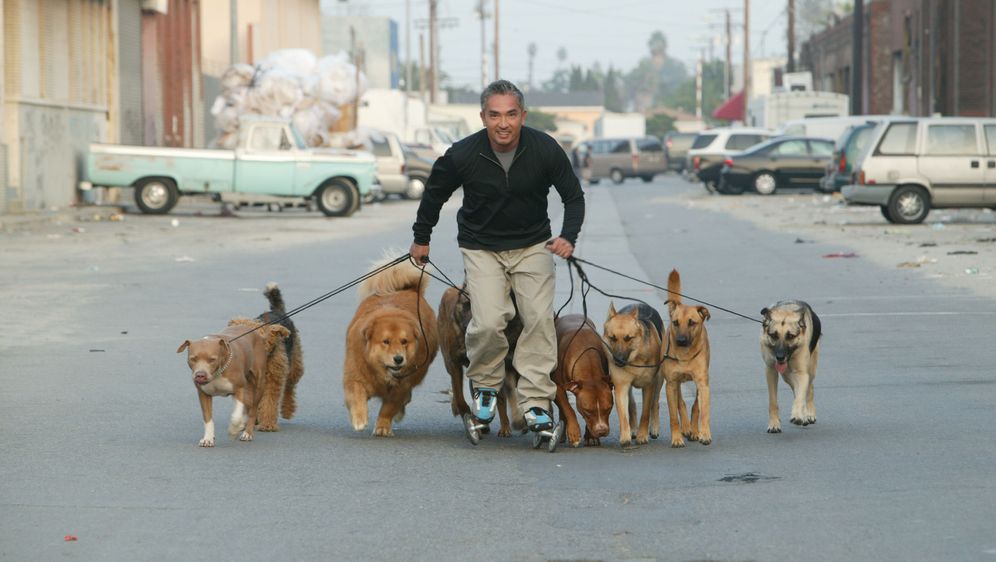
(542, 121)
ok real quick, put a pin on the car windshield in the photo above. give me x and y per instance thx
(703, 141)
(763, 146)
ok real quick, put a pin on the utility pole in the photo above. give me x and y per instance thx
(746, 58)
(497, 44)
(790, 67)
(728, 69)
(433, 60)
(421, 67)
(408, 61)
(857, 52)
(698, 85)
(484, 50)
(233, 12)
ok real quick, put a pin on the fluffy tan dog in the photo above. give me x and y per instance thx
(389, 345)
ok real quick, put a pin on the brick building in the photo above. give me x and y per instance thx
(921, 57)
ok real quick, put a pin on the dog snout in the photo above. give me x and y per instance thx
(682, 340)
(200, 377)
(601, 429)
(781, 354)
(620, 359)
(399, 359)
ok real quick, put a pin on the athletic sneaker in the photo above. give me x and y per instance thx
(538, 419)
(485, 404)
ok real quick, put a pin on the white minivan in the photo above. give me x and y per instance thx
(913, 165)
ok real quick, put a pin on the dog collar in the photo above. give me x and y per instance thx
(222, 368)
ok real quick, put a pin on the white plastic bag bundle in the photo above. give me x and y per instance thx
(290, 84)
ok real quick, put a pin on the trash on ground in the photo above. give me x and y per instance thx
(971, 271)
(985, 239)
(963, 253)
(938, 226)
(96, 351)
(117, 217)
(79, 229)
(175, 223)
(184, 259)
(70, 538)
(928, 244)
(841, 255)
(801, 241)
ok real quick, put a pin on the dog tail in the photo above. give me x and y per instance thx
(404, 276)
(276, 298)
(674, 288)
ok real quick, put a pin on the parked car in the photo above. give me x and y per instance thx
(270, 165)
(395, 162)
(711, 148)
(621, 158)
(825, 127)
(845, 152)
(911, 166)
(779, 162)
(676, 147)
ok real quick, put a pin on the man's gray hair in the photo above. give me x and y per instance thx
(501, 87)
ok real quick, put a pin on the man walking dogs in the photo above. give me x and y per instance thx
(506, 171)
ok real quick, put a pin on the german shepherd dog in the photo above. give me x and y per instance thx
(790, 347)
(454, 317)
(633, 336)
(685, 357)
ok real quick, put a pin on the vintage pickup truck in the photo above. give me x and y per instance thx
(271, 165)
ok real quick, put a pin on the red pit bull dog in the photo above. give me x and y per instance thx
(583, 369)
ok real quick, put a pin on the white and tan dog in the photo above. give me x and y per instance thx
(790, 347)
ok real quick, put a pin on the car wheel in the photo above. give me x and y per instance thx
(416, 187)
(730, 188)
(909, 204)
(337, 198)
(885, 213)
(647, 179)
(617, 176)
(765, 183)
(156, 196)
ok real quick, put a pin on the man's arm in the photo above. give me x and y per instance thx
(567, 184)
(443, 181)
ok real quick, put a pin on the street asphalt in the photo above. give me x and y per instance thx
(99, 420)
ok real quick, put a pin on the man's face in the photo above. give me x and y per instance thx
(503, 118)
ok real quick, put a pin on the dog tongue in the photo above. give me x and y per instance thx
(780, 366)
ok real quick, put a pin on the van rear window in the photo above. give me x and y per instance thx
(899, 139)
(703, 141)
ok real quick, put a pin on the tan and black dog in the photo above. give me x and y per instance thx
(454, 317)
(686, 358)
(238, 364)
(583, 370)
(790, 347)
(280, 391)
(390, 344)
(634, 336)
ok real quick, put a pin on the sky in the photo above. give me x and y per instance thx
(605, 31)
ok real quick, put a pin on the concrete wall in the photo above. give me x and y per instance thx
(377, 36)
(264, 26)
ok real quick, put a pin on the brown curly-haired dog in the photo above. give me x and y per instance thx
(389, 345)
(281, 390)
(237, 361)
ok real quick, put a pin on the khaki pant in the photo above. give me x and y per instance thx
(490, 276)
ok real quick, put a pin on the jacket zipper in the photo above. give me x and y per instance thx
(492, 160)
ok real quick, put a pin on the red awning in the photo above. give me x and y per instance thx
(731, 109)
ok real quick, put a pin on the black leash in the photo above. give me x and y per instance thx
(327, 295)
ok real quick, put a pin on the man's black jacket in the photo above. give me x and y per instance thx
(502, 211)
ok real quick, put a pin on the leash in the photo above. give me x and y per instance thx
(327, 295)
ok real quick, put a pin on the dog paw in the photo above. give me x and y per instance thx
(705, 439)
(268, 427)
(206, 442)
(655, 434)
(691, 436)
(642, 439)
(383, 432)
(798, 421)
(246, 436)
(774, 428)
(505, 432)
(677, 442)
(573, 435)
(592, 442)
(628, 444)
(357, 426)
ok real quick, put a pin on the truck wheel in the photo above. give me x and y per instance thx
(885, 213)
(909, 204)
(416, 187)
(617, 176)
(156, 196)
(337, 198)
(647, 178)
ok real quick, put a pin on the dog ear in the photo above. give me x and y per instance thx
(802, 323)
(225, 348)
(766, 313)
(573, 386)
(703, 312)
(612, 311)
(184, 345)
(671, 305)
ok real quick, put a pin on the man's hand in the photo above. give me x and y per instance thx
(560, 247)
(420, 254)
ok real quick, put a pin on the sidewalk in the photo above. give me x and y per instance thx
(34, 220)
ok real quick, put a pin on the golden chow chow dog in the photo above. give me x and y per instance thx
(238, 361)
(790, 347)
(389, 345)
(454, 317)
(685, 357)
(634, 335)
